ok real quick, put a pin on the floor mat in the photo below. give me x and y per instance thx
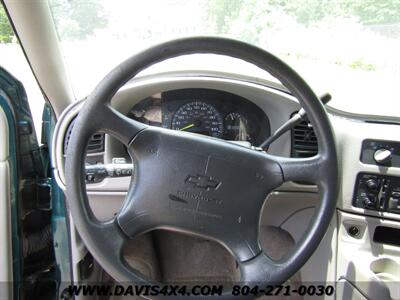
(179, 258)
(186, 258)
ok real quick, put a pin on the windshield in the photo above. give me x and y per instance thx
(350, 49)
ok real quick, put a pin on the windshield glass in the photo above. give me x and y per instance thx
(348, 48)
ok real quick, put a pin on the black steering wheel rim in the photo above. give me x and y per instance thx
(105, 239)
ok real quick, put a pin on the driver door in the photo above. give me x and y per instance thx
(31, 224)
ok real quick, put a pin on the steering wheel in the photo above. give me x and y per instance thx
(197, 184)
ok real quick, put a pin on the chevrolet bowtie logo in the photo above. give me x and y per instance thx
(203, 182)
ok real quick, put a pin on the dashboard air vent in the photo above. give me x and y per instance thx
(304, 140)
(95, 145)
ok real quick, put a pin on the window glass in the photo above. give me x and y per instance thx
(13, 60)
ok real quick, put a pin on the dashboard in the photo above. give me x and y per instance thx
(208, 112)
(234, 109)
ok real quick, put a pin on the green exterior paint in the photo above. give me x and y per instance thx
(59, 221)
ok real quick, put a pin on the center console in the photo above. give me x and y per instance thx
(377, 192)
(373, 191)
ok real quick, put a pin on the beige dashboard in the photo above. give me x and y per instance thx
(106, 196)
(277, 105)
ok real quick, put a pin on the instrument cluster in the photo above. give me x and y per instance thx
(209, 112)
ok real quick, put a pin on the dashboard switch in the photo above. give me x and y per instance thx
(377, 192)
(381, 153)
(372, 184)
(97, 172)
(119, 160)
(369, 203)
(382, 156)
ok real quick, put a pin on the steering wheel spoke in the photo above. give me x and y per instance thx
(118, 125)
(310, 169)
(109, 235)
(258, 267)
(262, 269)
(135, 217)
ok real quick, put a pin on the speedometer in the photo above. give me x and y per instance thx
(198, 117)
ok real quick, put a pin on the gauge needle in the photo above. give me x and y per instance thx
(187, 127)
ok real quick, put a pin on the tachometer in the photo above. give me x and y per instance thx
(198, 117)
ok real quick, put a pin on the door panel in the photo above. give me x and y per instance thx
(5, 212)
